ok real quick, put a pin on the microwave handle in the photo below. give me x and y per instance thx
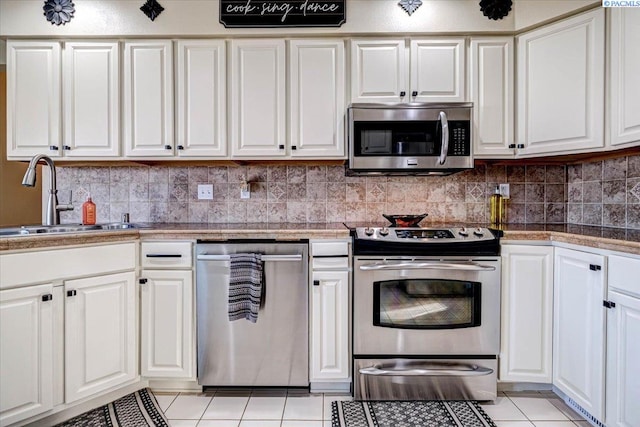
(445, 138)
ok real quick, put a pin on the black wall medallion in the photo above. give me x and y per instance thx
(495, 9)
(410, 6)
(152, 9)
(58, 11)
(282, 13)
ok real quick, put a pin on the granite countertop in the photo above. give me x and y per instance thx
(615, 239)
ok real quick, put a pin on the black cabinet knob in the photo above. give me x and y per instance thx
(512, 145)
(281, 147)
(520, 145)
(142, 281)
(316, 283)
(180, 147)
(414, 93)
(168, 147)
(53, 147)
(403, 93)
(47, 297)
(66, 147)
(71, 293)
(293, 147)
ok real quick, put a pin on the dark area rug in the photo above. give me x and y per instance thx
(137, 409)
(423, 413)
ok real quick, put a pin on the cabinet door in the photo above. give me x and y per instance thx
(258, 98)
(167, 335)
(100, 334)
(33, 99)
(92, 99)
(527, 313)
(579, 326)
(491, 69)
(317, 98)
(330, 325)
(201, 98)
(623, 353)
(26, 354)
(148, 99)
(625, 80)
(438, 70)
(378, 71)
(561, 86)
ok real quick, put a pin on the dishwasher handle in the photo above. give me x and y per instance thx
(266, 258)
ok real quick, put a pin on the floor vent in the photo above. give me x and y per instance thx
(587, 416)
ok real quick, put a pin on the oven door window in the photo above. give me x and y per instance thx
(426, 304)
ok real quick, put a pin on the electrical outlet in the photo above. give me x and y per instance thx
(504, 190)
(245, 193)
(205, 191)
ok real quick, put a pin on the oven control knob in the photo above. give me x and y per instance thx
(478, 232)
(463, 232)
(384, 231)
(368, 231)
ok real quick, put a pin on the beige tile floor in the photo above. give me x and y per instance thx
(295, 408)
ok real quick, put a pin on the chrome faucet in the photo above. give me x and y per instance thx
(53, 208)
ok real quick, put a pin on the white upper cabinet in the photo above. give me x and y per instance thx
(201, 98)
(561, 86)
(317, 98)
(258, 98)
(624, 81)
(148, 99)
(527, 313)
(437, 70)
(26, 353)
(91, 99)
(378, 71)
(491, 63)
(579, 328)
(433, 70)
(34, 111)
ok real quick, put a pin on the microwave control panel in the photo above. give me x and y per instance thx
(458, 138)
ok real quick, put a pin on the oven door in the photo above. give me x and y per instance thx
(426, 306)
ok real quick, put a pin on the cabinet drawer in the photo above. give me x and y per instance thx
(331, 263)
(624, 273)
(329, 248)
(60, 264)
(166, 254)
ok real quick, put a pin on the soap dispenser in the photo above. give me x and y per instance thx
(89, 212)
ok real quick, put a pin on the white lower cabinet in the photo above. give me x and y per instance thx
(26, 353)
(623, 342)
(527, 313)
(167, 325)
(579, 328)
(330, 358)
(100, 328)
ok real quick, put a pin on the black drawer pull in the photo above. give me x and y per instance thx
(293, 147)
(163, 255)
(316, 283)
(168, 147)
(66, 147)
(609, 304)
(47, 297)
(414, 93)
(71, 293)
(512, 145)
(594, 267)
(281, 147)
(142, 281)
(180, 147)
(53, 148)
(520, 145)
(403, 93)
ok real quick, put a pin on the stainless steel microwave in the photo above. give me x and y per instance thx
(409, 139)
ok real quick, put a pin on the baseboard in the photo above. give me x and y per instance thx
(174, 385)
(509, 386)
(330, 387)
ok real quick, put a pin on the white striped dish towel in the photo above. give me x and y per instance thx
(245, 286)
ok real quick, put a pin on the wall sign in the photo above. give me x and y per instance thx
(282, 13)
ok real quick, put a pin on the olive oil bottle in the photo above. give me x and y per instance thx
(497, 213)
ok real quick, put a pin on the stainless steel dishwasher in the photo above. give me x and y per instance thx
(274, 351)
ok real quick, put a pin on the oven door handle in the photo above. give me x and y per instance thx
(467, 371)
(413, 265)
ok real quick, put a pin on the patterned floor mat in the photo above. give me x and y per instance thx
(139, 409)
(426, 413)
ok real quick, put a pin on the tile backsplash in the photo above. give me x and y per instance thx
(593, 193)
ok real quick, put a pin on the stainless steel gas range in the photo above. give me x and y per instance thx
(426, 313)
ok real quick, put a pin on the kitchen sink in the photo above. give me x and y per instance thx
(31, 230)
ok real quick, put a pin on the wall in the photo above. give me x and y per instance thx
(313, 194)
(20, 18)
(18, 205)
(605, 193)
